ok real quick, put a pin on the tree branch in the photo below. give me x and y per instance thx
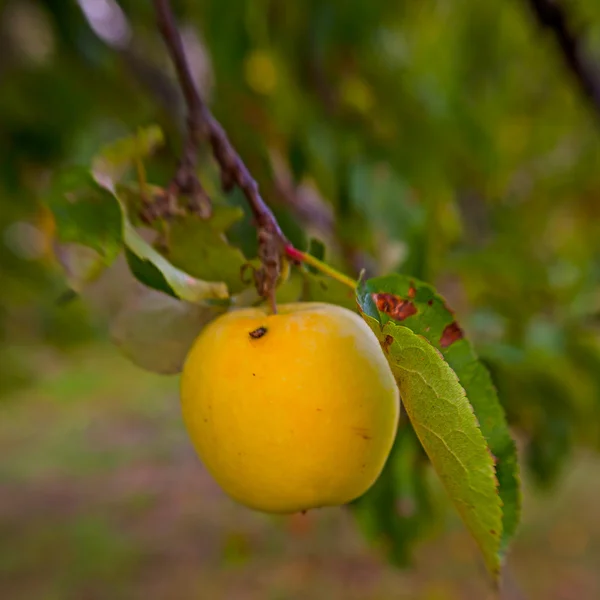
(202, 125)
(552, 15)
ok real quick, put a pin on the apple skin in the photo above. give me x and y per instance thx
(290, 411)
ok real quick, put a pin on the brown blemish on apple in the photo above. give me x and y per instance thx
(258, 333)
(395, 307)
(363, 432)
(452, 333)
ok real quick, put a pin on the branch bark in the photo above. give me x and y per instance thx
(551, 15)
(201, 125)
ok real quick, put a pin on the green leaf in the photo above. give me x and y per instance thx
(445, 423)
(147, 273)
(154, 270)
(156, 331)
(417, 306)
(86, 213)
(200, 248)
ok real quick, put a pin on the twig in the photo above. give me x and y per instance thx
(552, 15)
(202, 125)
(185, 180)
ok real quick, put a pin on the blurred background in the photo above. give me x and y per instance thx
(455, 140)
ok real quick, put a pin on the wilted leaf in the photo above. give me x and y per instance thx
(417, 306)
(156, 331)
(81, 264)
(89, 213)
(146, 263)
(445, 423)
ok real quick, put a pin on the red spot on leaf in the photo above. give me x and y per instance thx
(385, 345)
(452, 333)
(395, 307)
(429, 302)
(412, 291)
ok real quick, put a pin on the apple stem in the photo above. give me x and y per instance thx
(272, 302)
(307, 259)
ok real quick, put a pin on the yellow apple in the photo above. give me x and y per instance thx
(290, 411)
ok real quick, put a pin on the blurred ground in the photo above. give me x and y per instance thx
(101, 497)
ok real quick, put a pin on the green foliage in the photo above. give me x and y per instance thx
(199, 247)
(157, 330)
(440, 162)
(448, 430)
(153, 270)
(395, 297)
(91, 215)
